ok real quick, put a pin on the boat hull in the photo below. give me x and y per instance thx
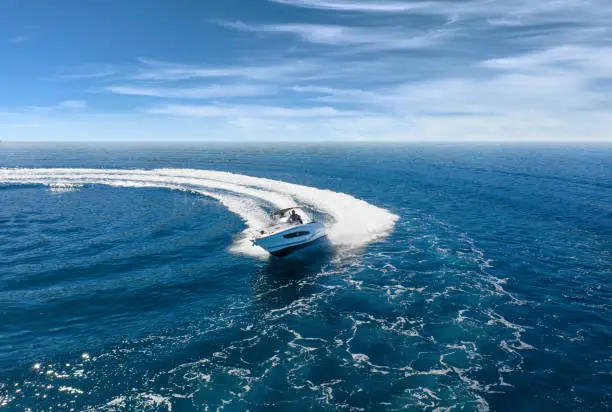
(288, 240)
(287, 251)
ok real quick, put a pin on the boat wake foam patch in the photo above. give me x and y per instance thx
(353, 222)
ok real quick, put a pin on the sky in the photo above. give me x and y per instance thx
(306, 70)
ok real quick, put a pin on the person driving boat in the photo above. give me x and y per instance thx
(295, 218)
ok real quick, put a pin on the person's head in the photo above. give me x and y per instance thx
(293, 212)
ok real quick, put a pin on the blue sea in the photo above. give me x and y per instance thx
(455, 277)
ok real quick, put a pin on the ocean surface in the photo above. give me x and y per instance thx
(454, 278)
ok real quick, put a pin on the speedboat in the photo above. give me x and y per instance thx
(288, 234)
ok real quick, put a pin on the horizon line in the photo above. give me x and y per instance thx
(325, 142)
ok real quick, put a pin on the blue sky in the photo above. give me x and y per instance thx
(308, 70)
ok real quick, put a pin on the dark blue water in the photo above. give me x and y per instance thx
(492, 291)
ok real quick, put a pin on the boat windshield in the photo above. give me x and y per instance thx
(284, 216)
(281, 220)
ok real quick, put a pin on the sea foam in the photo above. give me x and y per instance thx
(353, 222)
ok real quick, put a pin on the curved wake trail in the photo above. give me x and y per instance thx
(354, 222)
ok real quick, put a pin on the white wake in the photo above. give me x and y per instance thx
(353, 222)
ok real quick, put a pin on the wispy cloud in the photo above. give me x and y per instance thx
(548, 10)
(588, 62)
(17, 39)
(207, 92)
(551, 81)
(251, 111)
(505, 22)
(277, 71)
(557, 17)
(20, 120)
(376, 38)
(357, 6)
(157, 70)
(351, 69)
(24, 125)
(63, 106)
(72, 104)
(88, 71)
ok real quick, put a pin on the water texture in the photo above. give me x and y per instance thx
(454, 277)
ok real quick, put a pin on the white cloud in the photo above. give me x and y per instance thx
(87, 71)
(24, 125)
(494, 96)
(66, 106)
(357, 6)
(376, 38)
(207, 92)
(585, 61)
(251, 111)
(505, 22)
(377, 70)
(156, 70)
(538, 95)
(545, 95)
(355, 96)
(277, 72)
(568, 10)
(554, 20)
(72, 105)
(17, 39)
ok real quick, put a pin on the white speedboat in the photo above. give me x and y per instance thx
(288, 234)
